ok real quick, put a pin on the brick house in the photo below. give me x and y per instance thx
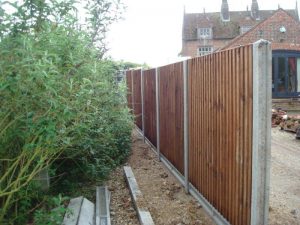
(203, 33)
(283, 31)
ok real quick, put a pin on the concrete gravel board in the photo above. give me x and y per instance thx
(74, 206)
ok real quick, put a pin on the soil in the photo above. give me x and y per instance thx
(285, 179)
(165, 197)
(162, 194)
(122, 211)
(168, 203)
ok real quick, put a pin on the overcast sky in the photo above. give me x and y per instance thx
(151, 29)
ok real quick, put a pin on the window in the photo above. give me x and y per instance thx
(286, 74)
(281, 75)
(298, 74)
(204, 33)
(273, 77)
(293, 74)
(244, 29)
(205, 50)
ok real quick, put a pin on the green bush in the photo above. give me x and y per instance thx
(53, 214)
(60, 109)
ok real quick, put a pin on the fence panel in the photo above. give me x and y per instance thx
(137, 96)
(220, 128)
(227, 134)
(150, 105)
(171, 113)
(129, 89)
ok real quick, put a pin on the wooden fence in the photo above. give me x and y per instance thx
(129, 86)
(137, 97)
(171, 113)
(150, 105)
(213, 127)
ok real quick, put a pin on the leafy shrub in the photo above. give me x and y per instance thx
(59, 109)
(53, 214)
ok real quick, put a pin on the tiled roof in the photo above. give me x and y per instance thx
(223, 30)
(250, 36)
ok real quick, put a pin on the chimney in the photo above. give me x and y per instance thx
(225, 11)
(255, 10)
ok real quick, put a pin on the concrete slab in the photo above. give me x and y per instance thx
(71, 217)
(102, 206)
(86, 216)
(143, 214)
(134, 189)
(145, 218)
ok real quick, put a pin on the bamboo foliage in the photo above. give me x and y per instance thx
(60, 108)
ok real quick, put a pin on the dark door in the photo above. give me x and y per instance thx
(286, 75)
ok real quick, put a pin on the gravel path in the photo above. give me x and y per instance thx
(121, 207)
(285, 179)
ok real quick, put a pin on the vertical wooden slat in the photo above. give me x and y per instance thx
(235, 133)
(250, 131)
(230, 133)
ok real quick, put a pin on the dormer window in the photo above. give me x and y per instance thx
(204, 33)
(244, 29)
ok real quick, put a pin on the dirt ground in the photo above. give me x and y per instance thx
(165, 197)
(285, 179)
(168, 203)
(122, 211)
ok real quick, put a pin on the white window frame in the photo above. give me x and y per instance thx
(204, 32)
(204, 50)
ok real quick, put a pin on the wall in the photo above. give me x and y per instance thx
(269, 30)
(190, 48)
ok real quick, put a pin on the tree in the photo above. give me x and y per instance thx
(30, 15)
(101, 14)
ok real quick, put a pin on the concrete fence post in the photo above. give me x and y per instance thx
(132, 94)
(186, 125)
(143, 103)
(157, 112)
(261, 141)
(43, 179)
